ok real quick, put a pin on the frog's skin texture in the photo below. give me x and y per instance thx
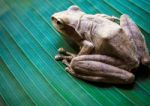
(109, 52)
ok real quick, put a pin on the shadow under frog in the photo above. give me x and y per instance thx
(109, 52)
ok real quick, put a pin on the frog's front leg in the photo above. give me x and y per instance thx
(99, 68)
(86, 47)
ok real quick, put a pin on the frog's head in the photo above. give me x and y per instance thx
(66, 21)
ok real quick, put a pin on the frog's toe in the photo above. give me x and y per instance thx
(64, 52)
(70, 70)
(61, 50)
(58, 57)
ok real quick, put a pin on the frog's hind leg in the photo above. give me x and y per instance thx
(136, 37)
(96, 78)
(96, 69)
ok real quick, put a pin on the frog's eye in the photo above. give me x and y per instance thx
(74, 8)
(60, 23)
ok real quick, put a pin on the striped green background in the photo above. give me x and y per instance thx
(29, 75)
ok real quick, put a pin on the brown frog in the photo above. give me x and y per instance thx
(109, 52)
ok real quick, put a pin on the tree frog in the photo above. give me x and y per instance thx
(109, 51)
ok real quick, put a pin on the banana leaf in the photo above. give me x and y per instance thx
(29, 74)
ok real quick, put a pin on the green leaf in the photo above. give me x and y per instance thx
(29, 74)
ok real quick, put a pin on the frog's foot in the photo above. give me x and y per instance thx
(64, 56)
(65, 59)
(64, 52)
(70, 70)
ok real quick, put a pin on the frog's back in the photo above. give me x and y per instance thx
(110, 39)
(94, 27)
(104, 27)
(102, 32)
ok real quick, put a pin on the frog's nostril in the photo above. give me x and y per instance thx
(52, 18)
